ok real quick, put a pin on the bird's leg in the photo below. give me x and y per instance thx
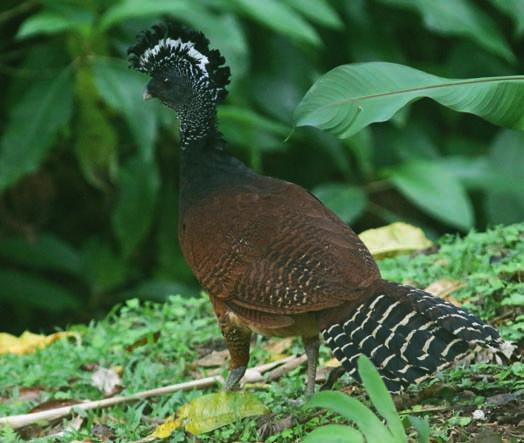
(237, 342)
(311, 344)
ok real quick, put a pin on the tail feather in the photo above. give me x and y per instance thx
(409, 334)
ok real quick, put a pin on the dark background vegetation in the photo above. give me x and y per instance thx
(88, 172)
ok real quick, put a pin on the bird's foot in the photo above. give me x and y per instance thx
(234, 377)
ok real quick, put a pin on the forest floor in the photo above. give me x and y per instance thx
(147, 345)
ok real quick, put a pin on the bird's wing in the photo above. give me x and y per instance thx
(272, 246)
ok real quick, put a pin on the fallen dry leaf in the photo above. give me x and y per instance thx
(213, 359)
(106, 380)
(277, 347)
(29, 342)
(444, 287)
(332, 363)
(212, 411)
(142, 341)
(395, 239)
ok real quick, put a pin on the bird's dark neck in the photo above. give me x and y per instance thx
(206, 166)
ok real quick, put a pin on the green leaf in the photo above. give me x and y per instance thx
(367, 422)
(506, 157)
(422, 428)
(129, 9)
(334, 434)
(25, 289)
(279, 17)
(212, 411)
(122, 89)
(380, 397)
(347, 201)
(351, 97)
(515, 10)
(434, 190)
(46, 252)
(101, 267)
(226, 34)
(138, 188)
(318, 11)
(33, 125)
(49, 23)
(96, 145)
(460, 17)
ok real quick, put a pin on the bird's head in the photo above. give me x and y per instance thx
(184, 71)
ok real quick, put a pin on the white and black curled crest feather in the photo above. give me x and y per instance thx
(169, 44)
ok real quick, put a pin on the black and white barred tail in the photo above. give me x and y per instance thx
(409, 334)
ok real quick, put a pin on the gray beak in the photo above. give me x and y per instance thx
(146, 95)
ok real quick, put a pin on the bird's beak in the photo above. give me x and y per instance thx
(147, 95)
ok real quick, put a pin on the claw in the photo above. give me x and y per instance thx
(233, 379)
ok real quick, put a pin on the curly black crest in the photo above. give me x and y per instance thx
(170, 45)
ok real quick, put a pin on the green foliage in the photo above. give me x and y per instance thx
(370, 426)
(88, 171)
(350, 97)
(156, 344)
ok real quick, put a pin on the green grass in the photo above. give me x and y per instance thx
(491, 266)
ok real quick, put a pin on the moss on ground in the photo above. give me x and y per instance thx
(157, 344)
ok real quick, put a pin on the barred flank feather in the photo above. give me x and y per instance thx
(409, 334)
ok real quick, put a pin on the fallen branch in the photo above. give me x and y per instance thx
(253, 375)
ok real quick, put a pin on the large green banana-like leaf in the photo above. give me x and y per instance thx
(351, 97)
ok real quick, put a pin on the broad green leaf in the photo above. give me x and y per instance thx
(96, 146)
(279, 17)
(241, 124)
(515, 10)
(506, 159)
(170, 261)
(101, 267)
(334, 434)
(29, 290)
(422, 428)
(460, 17)
(318, 11)
(249, 118)
(122, 89)
(435, 191)
(208, 412)
(380, 397)
(394, 239)
(44, 23)
(226, 34)
(33, 125)
(347, 201)
(138, 188)
(367, 422)
(129, 9)
(46, 252)
(351, 97)
(361, 145)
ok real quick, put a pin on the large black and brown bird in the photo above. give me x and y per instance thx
(273, 258)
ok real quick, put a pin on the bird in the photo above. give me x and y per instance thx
(273, 259)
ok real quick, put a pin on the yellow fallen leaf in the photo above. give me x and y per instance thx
(332, 363)
(444, 287)
(29, 342)
(395, 239)
(279, 348)
(164, 430)
(212, 411)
